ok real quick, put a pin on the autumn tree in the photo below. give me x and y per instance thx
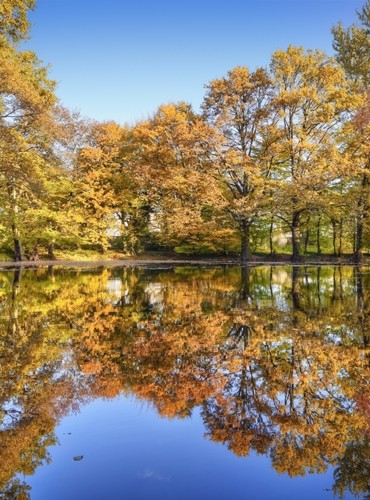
(14, 23)
(134, 206)
(26, 100)
(174, 167)
(311, 98)
(239, 107)
(96, 166)
(355, 137)
(352, 47)
(58, 219)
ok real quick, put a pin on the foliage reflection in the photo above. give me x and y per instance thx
(276, 359)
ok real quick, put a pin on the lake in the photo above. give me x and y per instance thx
(185, 383)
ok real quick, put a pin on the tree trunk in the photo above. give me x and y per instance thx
(18, 254)
(306, 240)
(340, 249)
(51, 254)
(318, 236)
(295, 236)
(334, 226)
(361, 310)
(245, 283)
(16, 283)
(245, 254)
(51, 273)
(318, 284)
(14, 312)
(363, 209)
(270, 235)
(295, 289)
(271, 289)
(359, 239)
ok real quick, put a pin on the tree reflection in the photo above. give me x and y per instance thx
(276, 358)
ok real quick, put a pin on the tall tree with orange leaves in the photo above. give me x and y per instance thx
(311, 98)
(238, 106)
(173, 162)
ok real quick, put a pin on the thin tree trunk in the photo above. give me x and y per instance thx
(16, 283)
(361, 311)
(363, 208)
(318, 236)
(295, 236)
(15, 305)
(359, 239)
(334, 225)
(271, 289)
(51, 273)
(270, 236)
(318, 284)
(307, 235)
(295, 289)
(245, 254)
(340, 249)
(18, 254)
(51, 254)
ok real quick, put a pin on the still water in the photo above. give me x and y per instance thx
(185, 383)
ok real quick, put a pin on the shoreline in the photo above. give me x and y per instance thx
(173, 261)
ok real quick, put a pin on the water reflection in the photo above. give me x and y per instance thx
(276, 358)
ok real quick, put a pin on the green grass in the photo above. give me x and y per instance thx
(5, 257)
(82, 255)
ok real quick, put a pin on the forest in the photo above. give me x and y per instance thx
(277, 160)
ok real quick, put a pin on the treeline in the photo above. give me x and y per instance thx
(278, 159)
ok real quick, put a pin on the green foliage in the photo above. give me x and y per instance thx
(352, 46)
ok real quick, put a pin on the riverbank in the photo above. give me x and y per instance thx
(154, 258)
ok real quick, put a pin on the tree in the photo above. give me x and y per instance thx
(172, 164)
(239, 107)
(352, 46)
(26, 101)
(96, 168)
(14, 24)
(311, 98)
(355, 137)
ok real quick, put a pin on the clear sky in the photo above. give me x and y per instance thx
(119, 60)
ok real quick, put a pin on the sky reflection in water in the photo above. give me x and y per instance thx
(185, 383)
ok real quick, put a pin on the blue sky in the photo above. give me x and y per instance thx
(119, 60)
